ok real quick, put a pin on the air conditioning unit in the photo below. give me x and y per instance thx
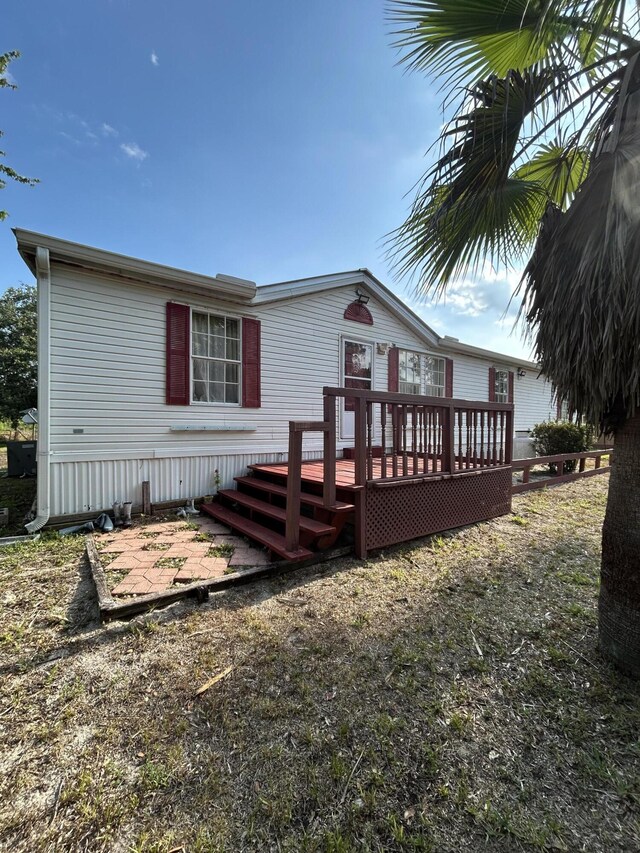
(21, 458)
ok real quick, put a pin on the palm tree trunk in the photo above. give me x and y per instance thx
(619, 606)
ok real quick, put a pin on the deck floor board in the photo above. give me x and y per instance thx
(313, 470)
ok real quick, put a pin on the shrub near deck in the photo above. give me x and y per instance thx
(445, 696)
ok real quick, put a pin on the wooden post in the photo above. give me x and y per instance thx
(582, 464)
(525, 473)
(361, 524)
(294, 473)
(508, 444)
(361, 441)
(449, 441)
(146, 497)
(329, 476)
(597, 460)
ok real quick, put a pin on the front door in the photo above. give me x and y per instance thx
(357, 372)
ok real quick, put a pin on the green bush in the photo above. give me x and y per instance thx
(552, 437)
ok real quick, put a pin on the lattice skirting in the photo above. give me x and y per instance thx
(398, 512)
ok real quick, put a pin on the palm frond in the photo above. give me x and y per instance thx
(558, 169)
(582, 285)
(470, 204)
(482, 37)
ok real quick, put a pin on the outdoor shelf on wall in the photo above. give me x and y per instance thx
(212, 428)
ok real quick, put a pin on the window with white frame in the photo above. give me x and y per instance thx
(421, 374)
(215, 358)
(502, 386)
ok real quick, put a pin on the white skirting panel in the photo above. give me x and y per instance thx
(78, 487)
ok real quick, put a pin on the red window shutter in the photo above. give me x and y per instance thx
(448, 377)
(394, 369)
(511, 386)
(250, 363)
(178, 346)
(492, 384)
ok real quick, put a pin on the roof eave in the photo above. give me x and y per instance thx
(100, 260)
(499, 357)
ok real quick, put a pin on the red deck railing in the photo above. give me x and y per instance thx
(405, 435)
(401, 437)
(525, 465)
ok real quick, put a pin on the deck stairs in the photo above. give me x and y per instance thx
(257, 509)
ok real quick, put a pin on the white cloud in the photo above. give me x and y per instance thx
(466, 298)
(154, 58)
(107, 130)
(133, 150)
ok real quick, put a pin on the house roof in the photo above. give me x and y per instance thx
(291, 289)
(100, 260)
(242, 290)
(363, 277)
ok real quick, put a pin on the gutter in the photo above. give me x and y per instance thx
(43, 275)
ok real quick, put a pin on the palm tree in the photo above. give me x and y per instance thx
(541, 164)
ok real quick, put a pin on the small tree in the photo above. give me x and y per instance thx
(6, 171)
(18, 352)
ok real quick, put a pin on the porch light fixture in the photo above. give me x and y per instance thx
(522, 373)
(363, 298)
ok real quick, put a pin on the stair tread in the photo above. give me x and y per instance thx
(269, 538)
(281, 491)
(310, 525)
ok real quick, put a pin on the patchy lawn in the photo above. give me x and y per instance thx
(446, 696)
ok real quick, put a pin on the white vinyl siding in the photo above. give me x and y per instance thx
(108, 369)
(111, 428)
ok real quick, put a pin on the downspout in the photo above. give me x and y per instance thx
(43, 274)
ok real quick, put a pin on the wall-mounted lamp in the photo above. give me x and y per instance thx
(363, 298)
(522, 373)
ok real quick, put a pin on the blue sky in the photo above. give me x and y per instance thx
(265, 140)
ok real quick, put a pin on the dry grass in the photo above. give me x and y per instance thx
(446, 696)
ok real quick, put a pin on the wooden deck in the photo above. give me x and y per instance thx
(312, 470)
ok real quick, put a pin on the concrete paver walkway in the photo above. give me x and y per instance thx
(157, 555)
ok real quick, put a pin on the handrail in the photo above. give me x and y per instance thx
(294, 469)
(529, 462)
(416, 399)
(445, 434)
(525, 465)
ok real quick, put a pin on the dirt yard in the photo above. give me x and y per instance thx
(446, 696)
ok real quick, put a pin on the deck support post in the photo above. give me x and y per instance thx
(360, 544)
(329, 439)
(292, 532)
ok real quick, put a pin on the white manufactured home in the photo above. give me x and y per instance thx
(149, 373)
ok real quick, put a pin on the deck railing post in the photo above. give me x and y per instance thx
(292, 532)
(361, 441)
(329, 484)
(508, 444)
(449, 440)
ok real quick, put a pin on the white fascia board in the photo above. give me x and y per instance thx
(291, 289)
(488, 355)
(124, 266)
